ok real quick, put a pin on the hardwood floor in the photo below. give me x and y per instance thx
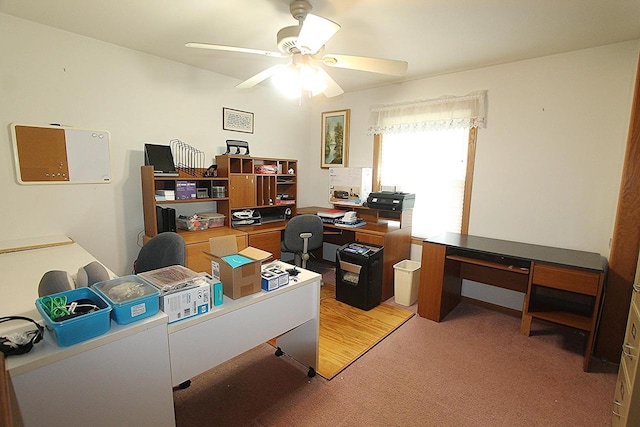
(346, 332)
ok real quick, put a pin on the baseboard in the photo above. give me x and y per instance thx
(490, 306)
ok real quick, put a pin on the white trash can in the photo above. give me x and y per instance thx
(406, 275)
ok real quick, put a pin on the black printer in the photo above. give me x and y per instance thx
(391, 200)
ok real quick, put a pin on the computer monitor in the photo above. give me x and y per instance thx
(160, 157)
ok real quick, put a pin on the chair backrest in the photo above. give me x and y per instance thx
(292, 242)
(162, 250)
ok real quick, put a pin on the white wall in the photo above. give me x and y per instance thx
(548, 164)
(51, 76)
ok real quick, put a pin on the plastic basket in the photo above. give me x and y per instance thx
(75, 330)
(131, 298)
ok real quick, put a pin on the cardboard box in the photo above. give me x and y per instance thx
(185, 303)
(237, 268)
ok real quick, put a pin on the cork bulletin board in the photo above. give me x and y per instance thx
(58, 155)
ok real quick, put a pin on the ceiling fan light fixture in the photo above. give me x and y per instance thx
(296, 79)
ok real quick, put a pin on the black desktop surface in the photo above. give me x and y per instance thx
(524, 251)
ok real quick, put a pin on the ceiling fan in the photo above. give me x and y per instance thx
(304, 44)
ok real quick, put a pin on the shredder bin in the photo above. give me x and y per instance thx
(406, 278)
(359, 275)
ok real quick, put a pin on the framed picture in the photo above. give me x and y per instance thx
(236, 120)
(335, 139)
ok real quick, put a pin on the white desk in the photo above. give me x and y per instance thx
(119, 378)
(125, 377)
(290, 312)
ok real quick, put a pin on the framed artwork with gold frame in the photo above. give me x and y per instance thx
(334, 143)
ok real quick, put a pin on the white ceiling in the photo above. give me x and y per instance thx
(434, 36)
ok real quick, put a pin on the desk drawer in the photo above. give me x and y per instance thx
(621, 399)
(567, 279)
(268, 241)
(631, 344)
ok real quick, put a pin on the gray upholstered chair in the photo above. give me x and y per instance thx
(162, 250)
(302, 235)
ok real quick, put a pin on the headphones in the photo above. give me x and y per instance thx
(20, 343)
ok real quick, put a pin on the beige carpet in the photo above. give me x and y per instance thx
(346, 332)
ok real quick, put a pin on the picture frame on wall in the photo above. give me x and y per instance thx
(334, 144)
(237, 120)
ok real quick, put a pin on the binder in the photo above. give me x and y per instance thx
(165, 219)
(170, 219)
(160, 219)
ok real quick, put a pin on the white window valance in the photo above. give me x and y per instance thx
(447, 112)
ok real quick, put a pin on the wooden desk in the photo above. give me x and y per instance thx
(394, 235)
(560, 285)
(265, 236)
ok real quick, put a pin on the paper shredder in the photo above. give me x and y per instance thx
(359, 275)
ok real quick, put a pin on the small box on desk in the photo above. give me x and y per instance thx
(273, 278)
(185, 190)
(183, 292)
(186, 303)
(237, 268)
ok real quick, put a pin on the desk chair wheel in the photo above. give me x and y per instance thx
(279, 352)
(311, 373)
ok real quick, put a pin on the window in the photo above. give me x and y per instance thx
(435, 165)
(427, 147)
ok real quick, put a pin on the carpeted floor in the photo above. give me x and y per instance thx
(474, 369)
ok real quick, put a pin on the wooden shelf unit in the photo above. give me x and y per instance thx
(251, 189)
(151, 183)
(244, 189)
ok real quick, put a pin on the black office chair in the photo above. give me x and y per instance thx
(162, 250)
(302, 235)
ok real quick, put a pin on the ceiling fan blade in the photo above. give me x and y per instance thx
(363, 63)
(233, 49)
(261, 76)
(333, 89)
(315, 32)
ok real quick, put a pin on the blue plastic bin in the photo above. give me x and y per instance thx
(73, 331)
(130, 297)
